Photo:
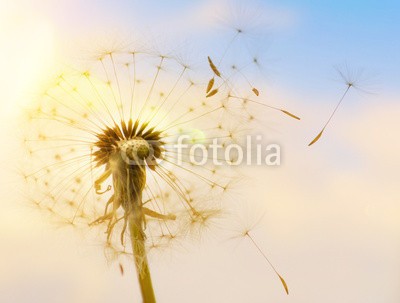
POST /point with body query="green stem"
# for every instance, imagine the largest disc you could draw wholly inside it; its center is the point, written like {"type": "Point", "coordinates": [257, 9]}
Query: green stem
{"type": "Point", "coordinates": [141, 263]}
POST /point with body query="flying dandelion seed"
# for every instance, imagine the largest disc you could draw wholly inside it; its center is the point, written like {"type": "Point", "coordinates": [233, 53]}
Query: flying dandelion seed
{"type": "Point", "coordinates": [352, 80]}
{"type": "Point", "coordinates": [246, 223]}
{"type": "Point", "coordinates": [102, 144]}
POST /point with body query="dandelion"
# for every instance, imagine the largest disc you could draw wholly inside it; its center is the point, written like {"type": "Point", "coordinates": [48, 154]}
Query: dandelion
{"type": "Point", "coordinates": [247, 234]}
{"type": "Point", "coordinates": [246, 224]}
{"type": "Point", "coordinates": [102, 147]}
{"type": "Point", "coordinates": [352, 80]}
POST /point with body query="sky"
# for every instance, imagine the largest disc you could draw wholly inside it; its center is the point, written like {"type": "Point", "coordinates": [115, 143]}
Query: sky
{"type": "Point", "coordinates": [331, 223]}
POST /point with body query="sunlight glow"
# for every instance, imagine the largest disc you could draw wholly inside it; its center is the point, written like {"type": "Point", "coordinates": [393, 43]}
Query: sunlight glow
{"type": "Point", "coordinates": [28, 55]}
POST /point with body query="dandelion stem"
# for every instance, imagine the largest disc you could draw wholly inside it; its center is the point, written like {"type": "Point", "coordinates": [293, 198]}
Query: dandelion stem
{"type": "Point", "coordinates": [139, 253]}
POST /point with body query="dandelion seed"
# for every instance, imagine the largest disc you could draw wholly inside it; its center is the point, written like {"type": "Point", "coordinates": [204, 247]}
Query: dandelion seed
{"type": "Point", "coordinates": [247, 223]}
{"type": "Point", "coordinates": [352, 79]}
{"type": "Point", "coordinates": [290, 114]}
{"type": "Point", "coordinates": [212, 93]}
{"type": "Point", "coordinates": [316, 138]}
{"type": "Point", "coordinates": [247, 234]}
{"type": "Point", "coordinates": [349, 85]}
{"type": "Point", "coordinates": [253, 89]}
{"type": "Point", "coordinates": [265, 105]}
{"type": "Point", "coordinates": [213, 67]}
{"type": "Point", "coordinates": [210, 85]}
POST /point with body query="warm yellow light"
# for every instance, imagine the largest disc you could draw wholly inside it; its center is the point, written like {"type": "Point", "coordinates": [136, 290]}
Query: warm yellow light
{"type": "Point", "coordinates": [27, 52]}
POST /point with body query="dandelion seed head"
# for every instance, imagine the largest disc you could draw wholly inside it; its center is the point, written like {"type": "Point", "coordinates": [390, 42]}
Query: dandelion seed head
{"type": "Point", "coordinates": [123, 114]}
{"type": "Point", "coordinates": [102, 145]}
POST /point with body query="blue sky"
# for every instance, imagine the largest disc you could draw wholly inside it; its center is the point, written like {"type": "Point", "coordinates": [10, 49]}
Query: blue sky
{"type": "Point", "coordinates": [322, 35]}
